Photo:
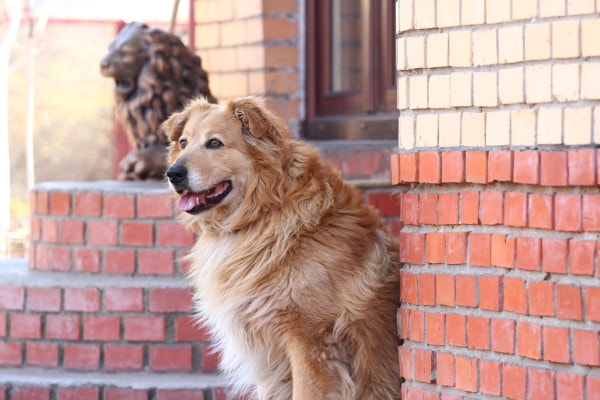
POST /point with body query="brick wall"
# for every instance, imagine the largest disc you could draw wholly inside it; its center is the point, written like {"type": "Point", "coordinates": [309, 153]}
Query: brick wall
{"type": "Point", "coordinates": [498, 170]}
{"type": "Point", "coordinates": [490, 74]}
{"type": "Point", "coordinates": [133, 313]}
{"type": "Point", "coordinates": [252, 47]}
{"type": "Point", "coordinates": [500, 285]}
{"type": "Point", "coordinates": [256, 47]}
{"type": "Point", "coordinates": [113, 228]}
{"type": "Point", "coordinates": [103, 311]}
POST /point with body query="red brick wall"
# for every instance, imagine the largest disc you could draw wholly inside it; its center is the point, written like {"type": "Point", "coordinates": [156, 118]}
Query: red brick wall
{"type": "Point", "coordinates": [118, 232]}
{"type": "Point", "coordinates": [115, 229]}
{"type": "Point", "coordinates": [112, 229]}
{"type": "Point", "coordinates": [89, 324]}
{"type": "Point", "coordinates": [500, 291]}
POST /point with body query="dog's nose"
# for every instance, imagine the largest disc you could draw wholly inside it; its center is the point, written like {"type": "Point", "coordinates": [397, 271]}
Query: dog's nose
{"type": "Point", "coordinates": [177, 173]}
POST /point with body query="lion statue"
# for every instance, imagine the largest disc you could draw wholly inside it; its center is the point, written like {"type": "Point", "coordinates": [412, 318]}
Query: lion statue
{"type": "Point", "coordinates": [155, 74]}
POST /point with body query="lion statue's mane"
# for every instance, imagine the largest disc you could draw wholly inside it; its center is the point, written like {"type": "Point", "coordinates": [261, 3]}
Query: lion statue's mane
{"type": "Point", "coordinates": [155, 74]}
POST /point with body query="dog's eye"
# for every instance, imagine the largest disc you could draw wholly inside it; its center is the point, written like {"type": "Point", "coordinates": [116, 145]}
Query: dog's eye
{"type": "Point", "coordinates": [182, 143]}
{"type": "Point", "coordinates": [213, 143]}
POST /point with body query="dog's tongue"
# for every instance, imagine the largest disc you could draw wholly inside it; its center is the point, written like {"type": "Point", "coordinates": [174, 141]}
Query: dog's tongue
{"type": "Point", "coordinates": [189, 201]}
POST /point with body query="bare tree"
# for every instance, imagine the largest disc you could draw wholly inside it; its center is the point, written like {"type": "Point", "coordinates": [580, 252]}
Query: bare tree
{"type": "Point", "coordinates": [14, 10]}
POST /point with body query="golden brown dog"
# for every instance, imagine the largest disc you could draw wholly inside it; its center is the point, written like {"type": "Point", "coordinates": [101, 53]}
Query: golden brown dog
{"type": "Point", "coordinates": [295, 276]}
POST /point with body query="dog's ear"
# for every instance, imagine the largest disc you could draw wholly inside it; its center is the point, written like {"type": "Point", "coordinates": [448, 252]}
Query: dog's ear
{"type": "Point", "coordinates": [252, 114]}
{"type": "Point", "coordinates": [173, 126]}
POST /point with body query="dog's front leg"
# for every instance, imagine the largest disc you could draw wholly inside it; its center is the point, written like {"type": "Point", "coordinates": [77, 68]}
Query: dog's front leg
{"type": "Point", "coordinates": [304, 384]}
{"type": "Point", "coordinates": [315, 375]}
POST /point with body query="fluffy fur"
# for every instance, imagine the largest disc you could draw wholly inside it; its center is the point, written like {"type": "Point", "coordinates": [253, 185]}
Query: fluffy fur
{"type": "Point", "coordinates": [294, 274]}
{"type": "Point", "coordinates": [154, 74]}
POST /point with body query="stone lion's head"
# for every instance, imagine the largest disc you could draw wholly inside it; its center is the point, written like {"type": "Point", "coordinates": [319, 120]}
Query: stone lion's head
{"type": "Point", "coordinates": [155, 74]}
{"type": "Point", "coordinates": [125, 58]}
{"type": "Point", "coordinates": [153, 68]}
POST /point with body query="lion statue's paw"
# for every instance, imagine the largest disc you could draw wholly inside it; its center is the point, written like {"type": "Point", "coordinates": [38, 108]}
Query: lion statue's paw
{"type": "Point", "coordinates": [148, 163]}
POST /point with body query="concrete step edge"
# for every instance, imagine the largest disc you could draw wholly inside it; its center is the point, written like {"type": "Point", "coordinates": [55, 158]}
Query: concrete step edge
{"type": "Point", "coordinates": [132, 380]}
{"type": "Point", "coordinates": [145, 187]}
{"type": "Point", "coordinates": [17, 273]}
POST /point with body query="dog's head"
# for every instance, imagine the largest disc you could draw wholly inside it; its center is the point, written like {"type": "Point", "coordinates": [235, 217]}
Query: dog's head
{"type": "Point", "coordinates": [225, 160]}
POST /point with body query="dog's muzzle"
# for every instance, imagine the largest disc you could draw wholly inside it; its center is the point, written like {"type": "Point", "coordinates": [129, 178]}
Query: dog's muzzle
{"type": "Point", "coordinates": [195, 202]}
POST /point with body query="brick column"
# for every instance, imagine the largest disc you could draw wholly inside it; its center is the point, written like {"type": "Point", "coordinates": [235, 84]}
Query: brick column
{"type": "Point", "coordinates": [498, 170]}
{"type": "Point", "coordinates": [252, 48]}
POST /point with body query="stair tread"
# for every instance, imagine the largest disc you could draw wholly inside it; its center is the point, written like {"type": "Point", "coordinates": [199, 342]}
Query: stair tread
{"type": "Point", "coordinates": [133, 380]}
{"type": "Point", "coordinates": [147, 187]}
{"type": "Point", "coordinates": [16, 272]}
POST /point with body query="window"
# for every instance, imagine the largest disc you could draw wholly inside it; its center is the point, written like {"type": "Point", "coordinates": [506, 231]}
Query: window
{"type": "Point", "coordinates": [350, 70]}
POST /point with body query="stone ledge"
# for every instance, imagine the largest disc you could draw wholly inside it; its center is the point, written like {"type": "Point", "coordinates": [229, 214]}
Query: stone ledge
{"type": "Point", "coordinates": [134, 380]}
{"type": "Point", "coordinates": [16, 273]}
{"type": "Point", "coordinates": [150, 187]}
{"type": "Point", "coordinates": [160, 187]}
{"type": "Point", "coordinates": [107, 227]}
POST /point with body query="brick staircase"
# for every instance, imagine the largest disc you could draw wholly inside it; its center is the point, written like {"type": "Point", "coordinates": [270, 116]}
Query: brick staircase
{"type": "Point", "coordinates": [102, 310]}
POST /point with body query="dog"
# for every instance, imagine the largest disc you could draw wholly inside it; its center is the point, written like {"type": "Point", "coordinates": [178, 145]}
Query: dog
{"type": "Point", "coordinates": [294, 275]}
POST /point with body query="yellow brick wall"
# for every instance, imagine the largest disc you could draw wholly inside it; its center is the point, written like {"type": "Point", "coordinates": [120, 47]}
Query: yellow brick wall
{"type": "Point", "coordinates": [251, 47]}
{"type": "Point", "coordinates": [475, 73]}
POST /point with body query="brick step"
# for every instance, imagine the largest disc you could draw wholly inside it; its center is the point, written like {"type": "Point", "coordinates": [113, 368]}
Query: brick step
{"type": "Point", "coordinates": [128, 228]}
{"type": "Point", "coordinates": [93, 322]}
{"type": "Point", "coordinates": [16, 272]}
{"type": "Point", "coordinates": [107, 227]}
{"type": "Point", "coordinates": [43, 384]}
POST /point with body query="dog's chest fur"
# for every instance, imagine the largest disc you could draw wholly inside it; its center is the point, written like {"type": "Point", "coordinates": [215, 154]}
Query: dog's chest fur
{"type": "Point", "coordinates": [240, 314]}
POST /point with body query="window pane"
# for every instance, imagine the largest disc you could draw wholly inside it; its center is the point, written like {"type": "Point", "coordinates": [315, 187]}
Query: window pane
{"type": "Point", "coordinates": [346, 56]}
